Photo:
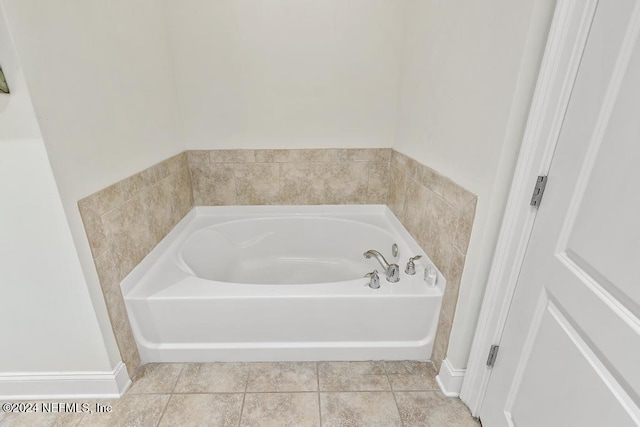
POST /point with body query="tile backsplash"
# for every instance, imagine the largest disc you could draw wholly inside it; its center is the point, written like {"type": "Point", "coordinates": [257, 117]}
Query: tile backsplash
{"type": "Point", "coordinates": [126, 220]}
{"type": "Point", "coordinates": [289, 177]}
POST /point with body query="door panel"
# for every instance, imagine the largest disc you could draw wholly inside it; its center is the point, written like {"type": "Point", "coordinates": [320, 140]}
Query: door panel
{"type": "Point", "coordinates": [581, 375]}
{"type": "Point", "coordinates": [570, 351]}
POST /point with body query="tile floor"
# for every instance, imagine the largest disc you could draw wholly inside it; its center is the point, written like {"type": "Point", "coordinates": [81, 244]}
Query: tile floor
{"type": "Point", "coordinates": [272, 394]}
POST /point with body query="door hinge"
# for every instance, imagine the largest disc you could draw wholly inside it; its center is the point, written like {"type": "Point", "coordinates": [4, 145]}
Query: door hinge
{"type": "Point", "coordinates": [538, 191]}
{"type": "Point", "coordinates": [493, 353]}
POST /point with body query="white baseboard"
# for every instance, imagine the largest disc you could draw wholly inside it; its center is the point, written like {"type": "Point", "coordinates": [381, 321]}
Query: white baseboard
{"type": "Point", "coordinates": [450, 379]}
{"type": "Point", "coordinates": [63, 385]}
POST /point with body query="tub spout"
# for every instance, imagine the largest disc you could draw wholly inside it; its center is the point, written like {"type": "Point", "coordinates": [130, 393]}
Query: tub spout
{"type": "Point", "coordinates": [392, 271]}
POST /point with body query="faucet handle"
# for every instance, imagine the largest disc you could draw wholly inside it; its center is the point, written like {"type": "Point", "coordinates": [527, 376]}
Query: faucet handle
{"type": "Point", "coordinates": [374, 282]}
{"type": "Point", "coordinates": [411, 266]}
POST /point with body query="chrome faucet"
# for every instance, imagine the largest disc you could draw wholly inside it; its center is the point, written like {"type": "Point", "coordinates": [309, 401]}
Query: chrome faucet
{"type": "Point", "coordinates": [392, 271]}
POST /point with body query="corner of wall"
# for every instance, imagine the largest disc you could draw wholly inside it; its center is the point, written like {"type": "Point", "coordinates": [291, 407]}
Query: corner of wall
{"type": "Point", "coordinates": [123, 223]}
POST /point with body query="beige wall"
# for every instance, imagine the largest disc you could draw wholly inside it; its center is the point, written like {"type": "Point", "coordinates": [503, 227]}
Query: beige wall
{"type": "Point", "coordinates": [467, 81]}
{"type": "Point", "coordinates": [286, 73]}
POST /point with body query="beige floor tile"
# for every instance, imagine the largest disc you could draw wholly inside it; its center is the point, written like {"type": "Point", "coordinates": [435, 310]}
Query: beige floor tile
{"type": "Point", "coordinates": [40, 419]}
{"type": "Point", "coordinates": [191, 410]}
{"type": "Point", "coordinates": [352, 376]}
{"type": "Point", "coordinates": [433, 409]}
{"type": "Point", "coordinates": [280, 410]}
{"type": "Point", "coordinates": [156, 378]}
{"type": "Point", "coordinates": [283, 376]}
{"type": "Point", "coordinates": [359, 409]}
{"type": "Point", "coordinates": [130, 410]}
{"type": "Point", "coordinates": [411, 375]}
{"type": "Point", "coordinates": [213, 378]}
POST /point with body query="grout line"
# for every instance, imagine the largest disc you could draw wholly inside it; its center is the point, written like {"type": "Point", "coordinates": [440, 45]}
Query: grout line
{"type": "Point", "coordinates": [235, 180]}
{"type": "Point", "coordinates": [173, 389]}
{"type": "Point", "coordinates": [164, 410]}
{"type": "Point", "coordinates": [319, 402]}
{"type": "Point", "coordinates": [244, 395]}
{"type": "Point", "coordinates": [395, 400]}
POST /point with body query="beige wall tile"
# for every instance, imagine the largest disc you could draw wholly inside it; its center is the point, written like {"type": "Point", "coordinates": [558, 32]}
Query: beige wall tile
{"type": "Point", "coordinates": [346, 183]}
{"type": "Point", "coordinates": [369, 154]}
{"type": "Point", "coordinates": [127, 345]}
{"type": "Point", "coordinates": [183, 193]}
{"type": "Point", "coordinates": [302, 183]}
{"type": "Point", "coordinates": [231, 156]}
{"type": "Point", "coordinates": [258, 183]}
{"type": "Point", "coordinates": [465, 226]}
{"type": "Point", "coordinates": [136, 183]}
{"type": "Point", "coordinates": [456, 195]}
{"type": "Point", "coordinates": [431, 179]}
{"type": "Point", "coordinates": [98, 243]}
{"type": "Point", "coordinates": [405, 164]}
{"type": "Point", "coordinates": [170, 165]}
{"type": "Point", "coordinates": [453, 276]}
{"type": "Point", "coordinates": [197, 156]}
{"type": "Point", "coordinates": [442, 232]}
{"type": "Point", "coordinates": [418, 203]}
{"type": "Point", "coordinates": [213, 185]}
{"type": "Point", "coordinates": [323, 155]}
{"type": "Point", "coordinates": [127, 231]}
{"type": "Point", "coordinates": [92, 222]}
{"type": "Point", "coordinates": [277, 156]}
{"type": "Point", "coordinates": [441, 342]}
{"type": "Point", "coordinates": [397, 192]}
{"type": "Point", "coordinates": [322, 183]}
{"type": "Point", "coordinates": [103, 200]}
{"type": "Point", "coordinates": [159, 205]}
{"type": "Point", "coordinates": [378, 183]}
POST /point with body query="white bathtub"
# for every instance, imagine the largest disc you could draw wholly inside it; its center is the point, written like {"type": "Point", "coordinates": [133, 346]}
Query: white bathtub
{"type": "Point", "coordinates": [281, 283]}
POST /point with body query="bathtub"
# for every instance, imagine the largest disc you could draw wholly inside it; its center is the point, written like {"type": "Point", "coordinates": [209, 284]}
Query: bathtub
{"type": "Point", "coordinates": [281, 283]}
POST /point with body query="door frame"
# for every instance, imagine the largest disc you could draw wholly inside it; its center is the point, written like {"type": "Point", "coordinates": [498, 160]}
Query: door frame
{"type": "Point", "coordinates": [563, 53]}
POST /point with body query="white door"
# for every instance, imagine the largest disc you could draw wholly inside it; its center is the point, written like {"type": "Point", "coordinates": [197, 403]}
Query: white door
{"type": "Point", "coordinates": [570, 351]}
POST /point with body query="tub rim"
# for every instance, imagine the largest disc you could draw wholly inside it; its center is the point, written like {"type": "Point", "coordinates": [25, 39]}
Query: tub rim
{"type": "Point", "coordinates": [178, 236]}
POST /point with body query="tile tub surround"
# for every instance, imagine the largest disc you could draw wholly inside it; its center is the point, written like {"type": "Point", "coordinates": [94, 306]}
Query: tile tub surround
{"type": "Point", "coordinates": [290, 177]}
{"type": "Point", "coordinates": [439, 215]}
{"type": "Point", "coordinates": [274, 394]}
{"type": "Point", "coordinates": [124, 222]}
